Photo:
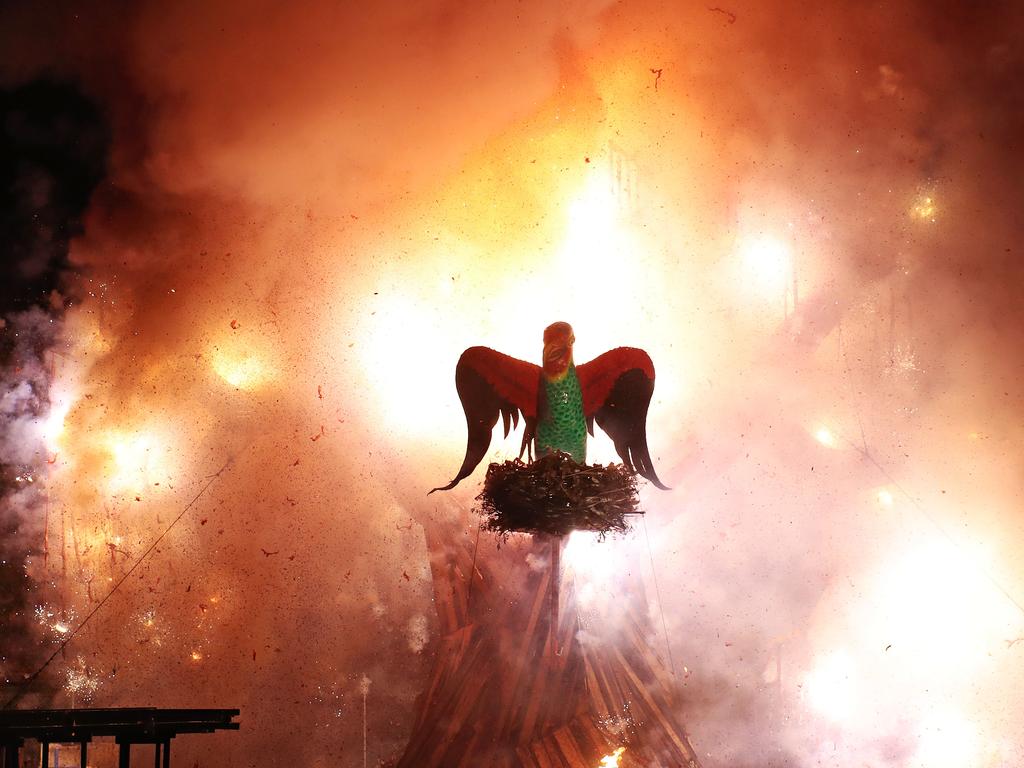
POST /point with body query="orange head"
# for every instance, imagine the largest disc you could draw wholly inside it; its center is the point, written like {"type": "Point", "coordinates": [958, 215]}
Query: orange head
{"type": "Point", "coordinates": [558, 341]}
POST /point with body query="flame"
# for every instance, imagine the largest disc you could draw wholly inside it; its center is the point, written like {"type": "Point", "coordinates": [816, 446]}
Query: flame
{"type": "Point", "coordinates": [612, 760]}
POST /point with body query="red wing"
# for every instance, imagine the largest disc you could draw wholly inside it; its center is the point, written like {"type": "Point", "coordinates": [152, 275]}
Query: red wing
{"type": "Point", "coordinates": [490, 385]}
{"type": "Point", "coordinates": [617, 388]}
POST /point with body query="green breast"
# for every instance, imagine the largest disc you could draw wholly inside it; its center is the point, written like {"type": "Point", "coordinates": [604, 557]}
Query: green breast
{"type": "Point", "coordinates": [562, 426]}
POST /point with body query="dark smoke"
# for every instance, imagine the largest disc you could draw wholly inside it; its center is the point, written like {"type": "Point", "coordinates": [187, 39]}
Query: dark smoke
{"type": "Point", "coordinates": [53, 150]}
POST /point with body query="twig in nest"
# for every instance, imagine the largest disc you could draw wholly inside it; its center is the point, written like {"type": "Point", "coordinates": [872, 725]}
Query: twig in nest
{"type": "Point", "coordinates": [555, 495]}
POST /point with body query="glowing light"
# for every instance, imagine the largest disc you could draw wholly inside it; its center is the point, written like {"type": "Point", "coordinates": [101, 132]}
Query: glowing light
{"type": "Point", "coordinates": [196, 656]}
{"type": "Point", "coordinates": [588, 556]}
{"type": "Point", "coordinates": [242, 370]}
{"type": "Point", "coordinates": [825, 436]}
{"type": "Point", "coordinates": [612, 760]}
{"type": "Point", "coordinates": [79, 682]}
{"type": "Point", "coordinates": [885, 497]}
{"type": "Point", "coordinates": [830, 687]}
{"type": "Point", "coordinates": [947, 740]}
{"type": "Point", "coordinates": [53, 426]}
{"type": "Point", "coordinates": [924, 208]}
{"type": "Point", "coordinates": [138, 461]}
{"type": "Point", "coordinates": [61, 628]}
{"type": "Point", "coordinates": [936, 602]}
{"type": "Point", "coordinates": [767, 264]}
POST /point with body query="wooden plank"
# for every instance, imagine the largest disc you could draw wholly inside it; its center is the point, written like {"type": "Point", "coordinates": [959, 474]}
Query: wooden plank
{"type": "Point", "coordinates": [520, 658]}
{"type": "Point", "coordinates": [667, 726]}
{"type": "Point", "coordinates": [569, 749]}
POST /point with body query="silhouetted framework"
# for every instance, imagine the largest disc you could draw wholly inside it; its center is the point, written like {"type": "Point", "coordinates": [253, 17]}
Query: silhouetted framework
{"type": "Point", "coordinates": [525, 679]}
{"type": "Point", "coordinates": [128, 726]}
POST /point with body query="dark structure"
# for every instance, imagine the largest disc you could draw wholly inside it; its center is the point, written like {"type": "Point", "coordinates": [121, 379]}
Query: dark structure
{"type": "Point", "coordinates": [127, 726]}
{"type": "Point", "coordinates": [524, 678]}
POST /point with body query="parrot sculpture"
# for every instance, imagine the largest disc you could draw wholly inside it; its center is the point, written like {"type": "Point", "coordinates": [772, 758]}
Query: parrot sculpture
{"type": "Point", "coordinates": [558, 400]}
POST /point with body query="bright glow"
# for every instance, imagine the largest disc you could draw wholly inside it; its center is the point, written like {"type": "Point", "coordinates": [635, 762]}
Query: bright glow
{"type": "Point", "coordinates": [53, 426]}
{"type": "Point", "coordinates": [947, 740]}
{"type": "Point", "coordinates": [825, 436]}
{"type": "Point", "coordinates": [936, 603]}
{"type": "Point", "coordinates": [196, 656]}
{"type": "Point", "coordinates": [405, 337]}
{"type": "Point", "coordinates": [885, 498]}
{"type": "Point", "coordinates": [767, 264]}
{"type": "Point", "coordinates": [591, 558]}
{"type": "Point", "coordinates": [241, 369]}
{"type": "Point", "coordinates": [924, 208]}
{"type": "Point", "coordinates": [138, 461]}
{"type": "Point", "coordinates": [831, 686]}
{"type": "Point", "coordinates": [612, 760]}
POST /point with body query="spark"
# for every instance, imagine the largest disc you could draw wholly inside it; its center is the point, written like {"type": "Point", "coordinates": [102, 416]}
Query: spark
{"type": "Point", "coordinates": [885, 497]}
{"type": "Point", "coordinates": [196, 656]}
{"type": "Point", "coordinates": [924, 208]}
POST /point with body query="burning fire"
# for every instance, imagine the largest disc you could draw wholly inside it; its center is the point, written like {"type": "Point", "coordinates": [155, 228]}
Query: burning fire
{"type": "Point", "coordinates": [612, 760]}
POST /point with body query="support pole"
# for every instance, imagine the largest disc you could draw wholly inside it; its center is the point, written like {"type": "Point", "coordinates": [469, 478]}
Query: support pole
{"type": "Point", "coordinates": [554, 591]}
{"type": "Point", "coordinates": [124, 755]}
{"type": "Point", "coordinates": [45, 747]}
{"type": "Point", "coordinates": [83, 758]}
{"type": "Point", "coordinates": [167, 753]}
{"type": "Point", "coordinates": [156, 754]}
{"type": "Point", "coordinates": [11, 754]}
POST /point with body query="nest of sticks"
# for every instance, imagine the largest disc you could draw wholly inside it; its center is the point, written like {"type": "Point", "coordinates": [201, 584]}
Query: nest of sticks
{"type": "Point", "coordinates": [555, 495]}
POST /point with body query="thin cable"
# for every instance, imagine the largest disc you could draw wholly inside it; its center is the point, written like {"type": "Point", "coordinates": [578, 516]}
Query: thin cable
{"type": "Point", "coordinates": [661, 607]}
{"type": "Point", "coordinates": [26, 684]}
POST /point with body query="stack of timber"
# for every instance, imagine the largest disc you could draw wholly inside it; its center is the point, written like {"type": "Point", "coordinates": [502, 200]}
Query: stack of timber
{"type": "Point", "coordinates": [525, 679]}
